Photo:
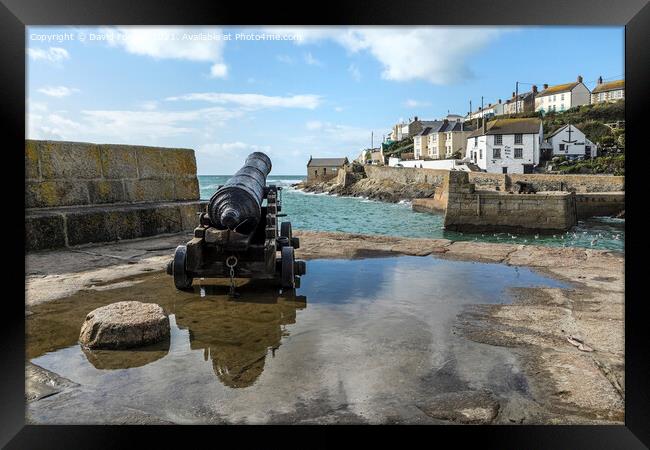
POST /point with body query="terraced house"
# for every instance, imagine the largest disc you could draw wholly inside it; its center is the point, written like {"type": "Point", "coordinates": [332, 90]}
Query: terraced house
{"type": "Point", "coordinates": [441, 139]}
{"type": "Point", "coordinates": [611, 91]}
{"type": "Point", "coordinates": [506, 145]}
{"type": "Point", "coordinates": [522, 102]}
{"type": "Point", "coordinates": [562, 96]}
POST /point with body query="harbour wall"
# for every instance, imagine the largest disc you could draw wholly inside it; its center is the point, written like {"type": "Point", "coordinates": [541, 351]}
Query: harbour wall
{"type": "Point", "coordinates": [592, 204]}
{"type": "Point", "coordinates": [468, 209]}
{"type": "Point", "coordinates": [78, 193]}
{"type": "Point", "coordinates": [502, 182]}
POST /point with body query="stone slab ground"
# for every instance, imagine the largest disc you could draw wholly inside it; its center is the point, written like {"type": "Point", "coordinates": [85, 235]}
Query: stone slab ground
{"type": "Point", "coordinates": [571, 383]}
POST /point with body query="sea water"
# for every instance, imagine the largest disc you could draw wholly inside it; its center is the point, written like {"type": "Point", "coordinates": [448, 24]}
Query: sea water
{"type": "Point", "coordinates": [322, 212]}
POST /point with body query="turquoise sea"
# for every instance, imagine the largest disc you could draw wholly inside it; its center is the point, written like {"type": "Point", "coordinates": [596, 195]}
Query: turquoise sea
{"type": "Point", "coordinates": [358, 215]}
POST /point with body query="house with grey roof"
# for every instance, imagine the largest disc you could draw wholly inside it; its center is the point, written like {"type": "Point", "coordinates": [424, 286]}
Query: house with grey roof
{"type": "Point", "coordinates": [506, 145]}
{"type": "Point", "coordinates": [520, 102]}
{"type": "Point", "coordinates": [324, 168]}
{"type": "Point", "coordinates": [571, 142]}
{"type": "Point", "coordinates": [610, 91]}
{"type": "Point", "coordinates": [562, 96]}
{"type": "Point", "coordinates": [441, 139]}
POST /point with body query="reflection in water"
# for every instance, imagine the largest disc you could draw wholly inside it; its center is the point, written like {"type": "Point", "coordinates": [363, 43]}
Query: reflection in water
{"type": "Point", "coordinates": [237, 334]}
{"type": "Point", "coordinates": [126, 359]}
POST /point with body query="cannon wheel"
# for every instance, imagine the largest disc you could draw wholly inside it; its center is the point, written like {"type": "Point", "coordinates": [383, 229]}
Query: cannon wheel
{"type": "Point", "coordinates": [288, 259]}
{"type": "Point", "coordinates": [181, 280]}
{"type": "Point", "coordinates": [285, 230]}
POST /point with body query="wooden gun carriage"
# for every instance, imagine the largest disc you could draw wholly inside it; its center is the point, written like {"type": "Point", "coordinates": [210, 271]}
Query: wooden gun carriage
{"type": "Point", "coordinates": [239, 237]}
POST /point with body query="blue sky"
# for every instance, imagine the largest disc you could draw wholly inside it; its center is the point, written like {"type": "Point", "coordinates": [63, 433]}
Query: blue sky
{"type": "Point", "coordinates": [322, 91]}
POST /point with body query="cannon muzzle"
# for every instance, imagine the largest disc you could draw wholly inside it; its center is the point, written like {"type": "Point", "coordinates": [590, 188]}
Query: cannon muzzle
{"type": "Point", "coordinates": [237, 205]}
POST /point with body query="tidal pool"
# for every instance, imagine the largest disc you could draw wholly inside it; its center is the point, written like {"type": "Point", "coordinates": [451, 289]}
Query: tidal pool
{"type": "Point", "coordinates": [361, 341]}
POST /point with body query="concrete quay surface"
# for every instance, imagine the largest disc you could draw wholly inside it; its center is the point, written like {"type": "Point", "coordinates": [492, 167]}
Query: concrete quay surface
{"type": "Point", "coordinates": [569, 341]}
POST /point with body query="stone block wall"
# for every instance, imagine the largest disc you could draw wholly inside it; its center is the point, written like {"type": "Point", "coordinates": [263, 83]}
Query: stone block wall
{"type": "Point", "coordinates": [592, 204]}
{"type": "Point", "coordinates": [470, 210]}
{"type": "Point", "coordinates": [549, 182]}
{"type": "Point", "coordinates": [75, 173]}
{"type": "Point", "coordinates": [78, 193]}
{"type": "Point", "coordinates": [406, 175]}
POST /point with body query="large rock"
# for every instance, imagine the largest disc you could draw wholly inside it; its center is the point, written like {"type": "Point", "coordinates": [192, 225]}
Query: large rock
{"type": "Point", "coordinates": [123, 325]}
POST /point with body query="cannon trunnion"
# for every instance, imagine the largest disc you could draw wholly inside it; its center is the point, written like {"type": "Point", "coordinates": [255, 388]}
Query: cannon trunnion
{"type": "Point", "coordinates": [239, 237]}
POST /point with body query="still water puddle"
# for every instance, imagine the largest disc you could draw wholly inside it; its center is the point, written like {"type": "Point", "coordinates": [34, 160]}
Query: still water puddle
{"type": "Point", "coordinates": [360, 341]}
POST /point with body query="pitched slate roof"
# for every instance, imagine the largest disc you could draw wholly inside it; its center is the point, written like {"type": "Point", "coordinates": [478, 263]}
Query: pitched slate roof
{"type": "Point", "coordinates": [558, 88]}
{"type": "Point", "coordinates": [521, 96]}
{"type": "Point", "coordinates": [455, 126]}
{"type": "Point", "coordinates": [327, 162]}
{"type": "Point", "coordinates": [609, 86]}
{"type": "Point", "coordinates": [509, 126]}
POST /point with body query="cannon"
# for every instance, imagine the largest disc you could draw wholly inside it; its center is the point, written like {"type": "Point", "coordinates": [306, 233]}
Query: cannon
{"type": "Point", "coordinates": [239, 234]}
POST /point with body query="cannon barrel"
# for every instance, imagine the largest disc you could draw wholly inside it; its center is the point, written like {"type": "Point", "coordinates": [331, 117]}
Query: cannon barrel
{"type": "Point", "coordinates": [237, 204]}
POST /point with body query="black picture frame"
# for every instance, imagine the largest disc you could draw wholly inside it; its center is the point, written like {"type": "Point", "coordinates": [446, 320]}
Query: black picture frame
{"type": "Point", "coordinates": [15, 15]}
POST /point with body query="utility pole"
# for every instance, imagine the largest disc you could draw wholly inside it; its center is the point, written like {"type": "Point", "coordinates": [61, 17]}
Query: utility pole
{"type": "Point", "coordinates": [516, 97]}
{"type": "Point", "coordinates": [372, 140]}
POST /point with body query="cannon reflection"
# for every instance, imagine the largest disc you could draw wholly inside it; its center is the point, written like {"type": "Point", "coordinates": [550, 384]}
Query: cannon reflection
{"type": "Point", "coordinates": [237, 334]}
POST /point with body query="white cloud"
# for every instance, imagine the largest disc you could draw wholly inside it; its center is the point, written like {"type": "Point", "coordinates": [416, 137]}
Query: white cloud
{"type": "Point", "coordinates": [252, 101]}
{"type": "Point", "coordinates": [438, 55]}
{"type": "Point", "coordinates": [219, 70]}
{"type": "Point", "coordinates": [314, 125]}
{"type": "Point", "coordinates": [410, 103]}
{"type": "Point", "coordinates": [355, 72]}
{"type": "Point", "coordinates": [284, 59]}
{"type": "Point", "coordinates": [309, 59]}
{"type": "Point", "coordinates": [148, 105]}
{"type": "Point", "coordinates": [52, 54]}
{"type": "Point", "coordinates": [137, 127]}
{"type": "Point", "coordinates": [57, 91]}
{"type": "Point", "coordinates": [338, 109]}
{"type": "Point", "coordinates": [228, 148]}
{"type": "Point", "coordinates": [187, 43]}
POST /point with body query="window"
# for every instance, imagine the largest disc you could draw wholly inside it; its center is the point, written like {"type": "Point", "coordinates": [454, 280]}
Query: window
{"type": "Point", "coordinates": [480, 154]}
{"type": "Point", "coordinates": [519, 138]}
{"type": "Point", "coordinates": [519, 152]}
{"type": "Point", "coordinates": [475, 141]}
{"type": "Point", "coordinates": [562, 97]}
{"type": "Point", "coordinates": [561, 147]}
{"type": "Point", "coordinates": [496, 153]}
{"type": "Point", "coordinates": [498, 139]}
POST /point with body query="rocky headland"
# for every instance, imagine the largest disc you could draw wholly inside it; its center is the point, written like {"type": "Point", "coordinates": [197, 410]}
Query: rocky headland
{"type": "Point", "coordinates": [376, 189]}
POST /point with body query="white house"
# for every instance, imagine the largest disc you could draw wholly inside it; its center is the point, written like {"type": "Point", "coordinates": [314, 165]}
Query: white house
{"type": "Point", "coordinates": [569, 141]}
{"type": "Point", "coordinates": [610, 91]}
{"type": "Point", "coordinates": [562, 96]}
{"type": "Point", "coordinates": [506, 145]}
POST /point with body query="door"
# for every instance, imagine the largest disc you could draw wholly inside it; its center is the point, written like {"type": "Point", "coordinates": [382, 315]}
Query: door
{"type": "Point", "coordinates": [504, 169]}
{"type": "Point", "coordinates": [587, 151]}
{"type": "Point", "coordinates": [528, 168]}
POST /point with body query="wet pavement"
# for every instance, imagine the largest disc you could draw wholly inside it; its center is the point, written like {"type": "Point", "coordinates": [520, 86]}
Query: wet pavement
{"type": "Point", "coordinates": [361, 341]}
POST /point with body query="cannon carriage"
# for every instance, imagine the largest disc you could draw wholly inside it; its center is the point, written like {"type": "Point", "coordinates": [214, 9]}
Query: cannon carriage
{"type": "Point", "coordinates": [239, 236]}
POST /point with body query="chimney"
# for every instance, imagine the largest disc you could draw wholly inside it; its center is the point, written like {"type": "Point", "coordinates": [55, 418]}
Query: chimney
{"type": "Point", "coordinates": [534, 89]}
{"type": "Point", "coordinates": [600, 80]}
{"type": "Point", "coordinates": [545, 86]}
{"type": "Point", "coordinates": [499, 100]}
{"type": "Point", "coordinates": [513, 95]}
{"type": "Point", "coordinates": [415, 119]}
{"type": "Point", "coordinates": [579, 78]}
